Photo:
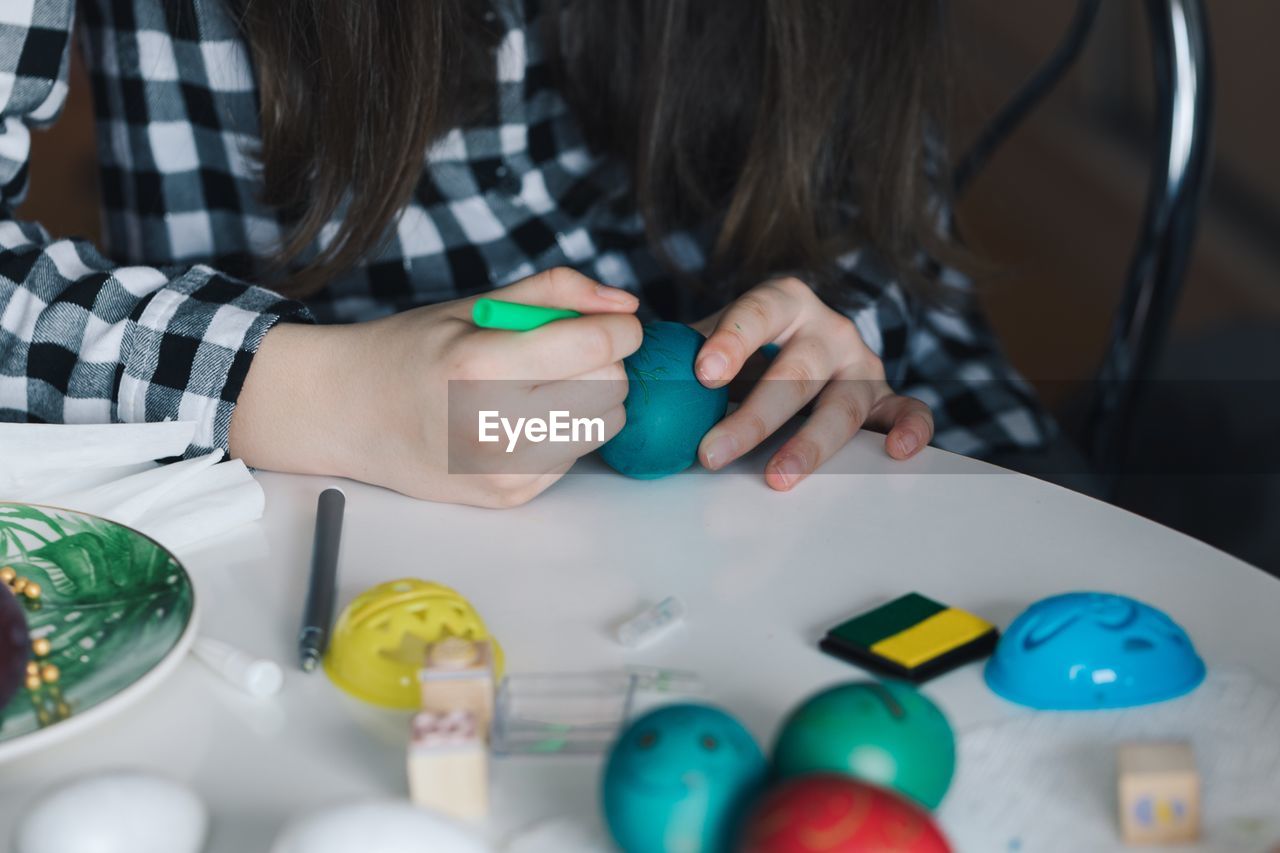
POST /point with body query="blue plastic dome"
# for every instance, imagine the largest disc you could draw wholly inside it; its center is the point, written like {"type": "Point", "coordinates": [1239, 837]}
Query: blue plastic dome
{"type": "Point", "coordinates": [1088, 650]}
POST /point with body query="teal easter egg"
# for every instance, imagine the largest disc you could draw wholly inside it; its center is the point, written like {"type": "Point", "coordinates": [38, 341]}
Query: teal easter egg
{"type": "Point", "coordinates": [668, 409]}
{"type": "Point", "coordinates": [887, 733]}
{"type": "Point", "coordinates": [678, 778]}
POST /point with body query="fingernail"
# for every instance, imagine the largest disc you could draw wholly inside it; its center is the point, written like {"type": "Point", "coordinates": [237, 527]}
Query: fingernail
{"type": "Point", "coordinates": [712, 367]}
{"type": "Point", "coordinates": [907, 443]}
{"type": "Point", "coordinates": [789, 470]}
{"type": "Point", "coordinates": [614, 294]}
{"type": "Point", "coordinates": [722, 450]}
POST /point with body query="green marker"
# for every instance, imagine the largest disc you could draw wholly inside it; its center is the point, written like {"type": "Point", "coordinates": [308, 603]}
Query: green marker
{"type": "Point", "coordinates": [515, 317]}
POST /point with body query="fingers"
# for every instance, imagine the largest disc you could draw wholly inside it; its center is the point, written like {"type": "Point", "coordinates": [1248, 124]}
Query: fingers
{"type": "Point", "coordinates": [707, 325]}
{"type": "Point", "coordinates": [842, 409]}
{"type": "Point", "coordinates": [839, 413]}
{"type": "Point", "coordinates": [557, 350]}
{"type": "Point", "coordinates": [793, 379]}
{"type": "Point", "coordinates": [908, 423]}
{"type": "Point", "coordinates": [523, 447]}
{"type": "Point", "coordinates": [589, 394]}
{"type": "Point", "coordinates": [578, 436]}
{"type": "Point", "coordinates": [562, 287]}
{"type": "Point", "coordinates": [758, 318]}
{"type": "Point", "coordinates": [607, 333]}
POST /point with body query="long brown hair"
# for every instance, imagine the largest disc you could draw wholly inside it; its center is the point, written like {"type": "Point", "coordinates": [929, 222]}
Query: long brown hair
{"type": "Point", "coordinates": [796, 127]}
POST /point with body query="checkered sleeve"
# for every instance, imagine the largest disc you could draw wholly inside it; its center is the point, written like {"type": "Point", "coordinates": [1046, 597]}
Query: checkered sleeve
{"type": "Point", "coordinates": [955, 364]}
{"type": "Point", "coordinates": [947, 355]}
{"type": "Point", "coordinates": [83, 340]}
{"type": "Point", "coordinates": [949, 358]}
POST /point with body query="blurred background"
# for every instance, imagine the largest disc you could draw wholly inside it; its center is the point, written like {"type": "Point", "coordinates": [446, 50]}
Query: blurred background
{"type": "Point", "coordinates": [1055, 216]}
{"type": "Point", "coordinates": [1057, 211]}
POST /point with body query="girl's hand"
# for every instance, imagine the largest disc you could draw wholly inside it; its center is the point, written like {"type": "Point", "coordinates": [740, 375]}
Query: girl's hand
{"type": "Point", "coordinates": [372, 401]}
{"type": "Point", "coordinates": [822, 355]}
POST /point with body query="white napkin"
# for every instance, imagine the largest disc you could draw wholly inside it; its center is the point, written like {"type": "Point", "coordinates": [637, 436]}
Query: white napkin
{"type": "Point", "coordinates": [108, 470]}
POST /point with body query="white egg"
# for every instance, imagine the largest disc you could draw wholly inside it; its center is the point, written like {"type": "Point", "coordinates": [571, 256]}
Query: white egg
{"type": "Point", "coordinates": [377, 827]}
{"type": "Point", "coordinates": [118, 812]}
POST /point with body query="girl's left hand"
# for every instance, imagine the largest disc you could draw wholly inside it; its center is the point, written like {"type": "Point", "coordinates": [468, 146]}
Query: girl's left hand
{"type": "Point", "coordinates": [821, 355]}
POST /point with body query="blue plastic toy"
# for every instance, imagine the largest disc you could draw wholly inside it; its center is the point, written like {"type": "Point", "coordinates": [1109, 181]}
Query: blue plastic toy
{"type": "Point", "coordinates": [677, 779]}
{"type": "Point", "coordinates": [668, 409]}
{"type": "Point", "coordinates": [1088, 650]}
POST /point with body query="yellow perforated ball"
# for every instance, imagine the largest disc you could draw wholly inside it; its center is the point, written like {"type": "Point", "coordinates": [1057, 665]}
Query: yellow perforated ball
{"type": "Point", "coordinates": [380, 640]}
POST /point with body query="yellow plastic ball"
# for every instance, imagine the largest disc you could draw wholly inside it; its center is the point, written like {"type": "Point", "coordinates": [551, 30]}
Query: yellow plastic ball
{"type": "Point", "coordinates": [380, 640]}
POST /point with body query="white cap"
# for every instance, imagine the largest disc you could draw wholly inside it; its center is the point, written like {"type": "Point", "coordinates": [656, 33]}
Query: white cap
{"type": "Point", "coordinates": [255, 676]}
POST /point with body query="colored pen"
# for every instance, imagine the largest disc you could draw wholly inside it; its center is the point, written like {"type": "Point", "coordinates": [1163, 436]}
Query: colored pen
{"type": "Point", "coordinates": [317, 615]}
{"type": "Point", "coordinates": [515, 317]}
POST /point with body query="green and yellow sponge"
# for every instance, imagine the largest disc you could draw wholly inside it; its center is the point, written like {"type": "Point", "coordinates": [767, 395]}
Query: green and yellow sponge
{"type": "Point", "coordinates": [911, 637]}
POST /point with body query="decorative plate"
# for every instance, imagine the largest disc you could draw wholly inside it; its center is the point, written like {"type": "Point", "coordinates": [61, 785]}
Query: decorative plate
{"type": "Point", "coordinates": [118, 611]}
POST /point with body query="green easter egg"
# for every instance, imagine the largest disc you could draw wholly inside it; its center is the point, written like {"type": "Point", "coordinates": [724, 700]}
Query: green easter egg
{"type": "Point", "coordinates": [886, 733]}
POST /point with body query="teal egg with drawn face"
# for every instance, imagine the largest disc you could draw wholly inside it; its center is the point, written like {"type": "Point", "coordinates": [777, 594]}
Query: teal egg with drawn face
{"type": "Point", "coordinates": [668, 409]}
{"type": "Point", "coordinates": [678, 778]}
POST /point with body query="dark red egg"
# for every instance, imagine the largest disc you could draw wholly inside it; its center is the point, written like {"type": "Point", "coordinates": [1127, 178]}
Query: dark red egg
{"type": "Point", "coordinates": [15, 645]}
{"type": "Point", "coordinates": [837, 814]}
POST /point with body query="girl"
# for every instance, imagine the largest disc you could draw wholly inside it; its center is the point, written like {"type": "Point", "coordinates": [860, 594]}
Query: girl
{"type": "Point", "coordinates": [302, 197]}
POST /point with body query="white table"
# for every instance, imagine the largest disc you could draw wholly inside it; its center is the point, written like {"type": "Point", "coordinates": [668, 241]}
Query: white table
{"type": "Point", "coordinates": [762, 575]}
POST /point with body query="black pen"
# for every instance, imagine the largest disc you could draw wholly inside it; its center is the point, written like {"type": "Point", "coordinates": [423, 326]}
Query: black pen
{"type": "Point", "coordinates": [317, 616]}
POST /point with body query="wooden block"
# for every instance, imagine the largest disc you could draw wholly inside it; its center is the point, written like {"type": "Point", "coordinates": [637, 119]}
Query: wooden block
{"type": "Point", "coordinates": [1159, 793]}
{"type": "Point", "coordinates": [449, 764]}
{"type": "Point", "coordinates": [458, 676]}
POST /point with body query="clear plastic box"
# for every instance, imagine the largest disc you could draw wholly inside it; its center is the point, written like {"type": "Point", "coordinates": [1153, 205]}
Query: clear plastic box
{"type": "Point", "coordinates": [574, 713]}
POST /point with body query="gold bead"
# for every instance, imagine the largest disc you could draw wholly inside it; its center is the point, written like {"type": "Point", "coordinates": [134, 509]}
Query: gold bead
{"type": "Point", "coordinates": [33, 668]}
{"type": "Point", "coordinates": [49, 673]}
{"type": "Point", "coordinates": [32, 590]}
{"type": "Point", "coordinates": [41, 647]}
{"type": "Point", "coordinates": [7, 574]}
{"type": "Point", "coordinates": [33, 682]}
{"type": "Point", "coordinates": [18, 585]}
{"type": "Point", "coordinates": [64, 710]}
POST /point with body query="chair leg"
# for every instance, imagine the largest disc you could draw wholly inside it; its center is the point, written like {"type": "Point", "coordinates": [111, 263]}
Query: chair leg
{"type": "Point", "coordinates": [1183, 71]}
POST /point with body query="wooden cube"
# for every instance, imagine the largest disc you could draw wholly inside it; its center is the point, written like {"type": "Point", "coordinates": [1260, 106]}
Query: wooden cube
{"type": "Point", "coordinates": [1159, 793]}
{"type": "Point", "coordinates": [449, 764]}
{"type": "Point", "coordinates": [458, 676]}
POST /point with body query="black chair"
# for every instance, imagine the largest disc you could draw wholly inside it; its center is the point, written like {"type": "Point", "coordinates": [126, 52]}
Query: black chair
{"type": "Point", "coordinates": [1180, 164]}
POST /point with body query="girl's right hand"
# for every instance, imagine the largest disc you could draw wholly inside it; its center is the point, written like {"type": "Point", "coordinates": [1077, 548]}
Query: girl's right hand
{"type": "Point", "coordinates": [371, 401]}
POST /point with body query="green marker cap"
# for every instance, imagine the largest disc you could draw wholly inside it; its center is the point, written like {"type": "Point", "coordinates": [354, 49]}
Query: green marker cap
{"type": "Point", "coordinates": [515, 317]}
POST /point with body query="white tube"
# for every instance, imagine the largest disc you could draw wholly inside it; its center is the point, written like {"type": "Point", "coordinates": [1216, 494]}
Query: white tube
{"type": "Point", "coordinates": [651, 624]}
{"type": "Point", "coordinates": [255, 676]}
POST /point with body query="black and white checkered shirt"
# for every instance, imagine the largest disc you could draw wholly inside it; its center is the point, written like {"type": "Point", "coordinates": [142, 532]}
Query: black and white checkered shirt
{"type": "Point", "coordinates": [163, 323]}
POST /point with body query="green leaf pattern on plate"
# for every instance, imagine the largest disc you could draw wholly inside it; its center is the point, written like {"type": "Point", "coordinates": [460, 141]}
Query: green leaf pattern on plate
{"type": "Point", "coordinates": [113, 604]}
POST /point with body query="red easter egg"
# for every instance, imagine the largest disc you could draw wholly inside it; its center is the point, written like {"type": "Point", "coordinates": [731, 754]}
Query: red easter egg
{"type": "Point", "coordinates": [837, 814]}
